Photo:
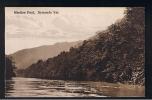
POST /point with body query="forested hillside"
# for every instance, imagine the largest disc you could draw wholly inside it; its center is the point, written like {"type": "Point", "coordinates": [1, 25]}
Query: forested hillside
{"type": "Point", "coordinates": [115, 55]}
{"type": "Point", "coordinates": [9, 67]}
{"type": "Point", "coordinates": [24, 58]}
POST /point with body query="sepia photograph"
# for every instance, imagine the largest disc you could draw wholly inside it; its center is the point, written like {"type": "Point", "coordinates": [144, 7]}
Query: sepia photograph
{"type": "Point", "coordinates": [74, 52]}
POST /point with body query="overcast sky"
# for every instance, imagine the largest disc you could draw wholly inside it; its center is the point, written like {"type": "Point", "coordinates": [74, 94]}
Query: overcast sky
{"type": "Point", "coordinates": [70, 24]}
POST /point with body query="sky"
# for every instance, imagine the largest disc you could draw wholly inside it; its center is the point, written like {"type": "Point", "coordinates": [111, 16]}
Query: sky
{"type": "Point", "coordinates": [68, 24]}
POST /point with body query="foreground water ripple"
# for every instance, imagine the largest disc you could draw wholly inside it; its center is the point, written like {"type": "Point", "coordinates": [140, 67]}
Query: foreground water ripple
{"type": "Point", "coordinates": [32, 87]}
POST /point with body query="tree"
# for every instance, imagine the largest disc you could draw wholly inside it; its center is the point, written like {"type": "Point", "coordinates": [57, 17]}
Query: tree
{"type": "Point", "coordinates": [9, 67]}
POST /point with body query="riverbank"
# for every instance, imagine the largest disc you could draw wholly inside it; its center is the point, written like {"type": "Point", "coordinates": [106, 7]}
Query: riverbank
{"type": "Point", "coordinates": [120, 90]}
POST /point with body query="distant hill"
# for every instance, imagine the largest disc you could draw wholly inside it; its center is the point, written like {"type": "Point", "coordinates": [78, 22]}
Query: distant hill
{"type": "Point", "coordinates": [24, 58]}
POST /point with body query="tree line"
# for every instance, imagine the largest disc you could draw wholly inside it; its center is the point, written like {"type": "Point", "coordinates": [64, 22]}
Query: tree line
{"type": "Point", "coordinates": [9, 67]}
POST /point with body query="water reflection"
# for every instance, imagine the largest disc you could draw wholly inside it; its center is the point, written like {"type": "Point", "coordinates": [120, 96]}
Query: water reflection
{"type": "Point", "coordinates": [32, 87]}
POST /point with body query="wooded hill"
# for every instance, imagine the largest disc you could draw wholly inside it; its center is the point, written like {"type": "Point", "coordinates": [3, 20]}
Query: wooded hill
{"type": "Point", "coordinates": [115, 55]}
{"type": "Point", "coordinates": [24, 58]}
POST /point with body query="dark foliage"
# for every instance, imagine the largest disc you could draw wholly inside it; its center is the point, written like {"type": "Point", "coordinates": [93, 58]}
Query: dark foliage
{"type": "Point", "coordinates": [115, 55]}
{"type": "Point", "coordinates": [9, 67]}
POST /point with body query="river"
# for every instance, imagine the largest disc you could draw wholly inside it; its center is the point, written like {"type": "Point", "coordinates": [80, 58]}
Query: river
{"type": "Point", "coordinates": [33, 87]}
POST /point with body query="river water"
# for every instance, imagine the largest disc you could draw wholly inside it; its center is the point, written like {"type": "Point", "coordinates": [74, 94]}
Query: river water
{"type": "Point", "coordinates": [33, 87]}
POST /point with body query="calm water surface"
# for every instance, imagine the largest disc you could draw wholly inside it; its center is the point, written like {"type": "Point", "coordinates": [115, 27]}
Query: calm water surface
{"type": "Point", "coordinates": [33, 87]}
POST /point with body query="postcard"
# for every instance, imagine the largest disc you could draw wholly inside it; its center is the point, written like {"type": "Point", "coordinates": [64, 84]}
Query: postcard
{"type": "Point", "coordinates": [75, 51]}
